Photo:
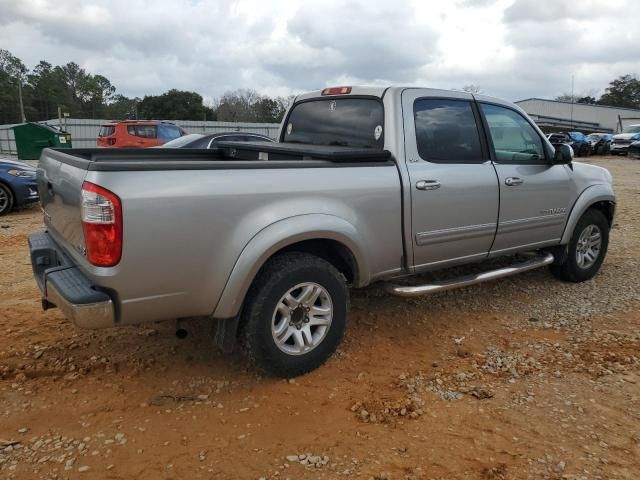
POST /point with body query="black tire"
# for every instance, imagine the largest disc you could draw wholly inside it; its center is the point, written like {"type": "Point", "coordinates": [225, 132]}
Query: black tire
{"type": "Point", "coordinates": [6, 199]}
{"type": "Point", "coordinates": [277, 277]}
{"type": "Point", "coordinates": [566, 266]}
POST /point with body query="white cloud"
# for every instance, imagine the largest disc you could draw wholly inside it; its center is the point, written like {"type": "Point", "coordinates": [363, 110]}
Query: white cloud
{"type": "Point", "coordinates": [511, 48]}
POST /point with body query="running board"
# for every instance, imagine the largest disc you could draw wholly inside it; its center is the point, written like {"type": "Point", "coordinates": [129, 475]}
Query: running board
{"type": "Point", "coordinates": [465, 281]}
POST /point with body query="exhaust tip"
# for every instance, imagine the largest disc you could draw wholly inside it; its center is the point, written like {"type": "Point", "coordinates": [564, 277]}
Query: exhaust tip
{"type": "Point", "coordinates": [181, 333]}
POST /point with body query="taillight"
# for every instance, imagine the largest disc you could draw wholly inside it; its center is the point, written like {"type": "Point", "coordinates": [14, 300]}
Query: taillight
{"type": "Point", "coordinates": [102, 225]}
{"type": "Point", "coordinates": [336, 91]}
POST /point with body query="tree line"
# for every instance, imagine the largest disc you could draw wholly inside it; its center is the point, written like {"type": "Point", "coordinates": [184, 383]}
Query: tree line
{"type": "Point", "coordinates": [37, 95]}
{"type": "Point", "coordinates": [624, 91]}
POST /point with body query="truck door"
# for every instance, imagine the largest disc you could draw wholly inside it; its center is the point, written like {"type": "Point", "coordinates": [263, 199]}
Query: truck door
{"type": "Point", "coordinates": [454, 188]}
{"type": "Point", "coordinates": [534, 194]}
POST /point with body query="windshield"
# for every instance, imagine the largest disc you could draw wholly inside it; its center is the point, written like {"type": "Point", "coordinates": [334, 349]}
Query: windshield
{"type": "Point", "coordinates": [632, 129]}
{"type": "Point", "coordinates": [182, 141]}
{"type": "Point", "coordinates": [351, 122]}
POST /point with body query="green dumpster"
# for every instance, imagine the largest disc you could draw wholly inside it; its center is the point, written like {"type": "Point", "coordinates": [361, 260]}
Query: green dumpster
{"type": "Point", "coordinates": [32, 137]}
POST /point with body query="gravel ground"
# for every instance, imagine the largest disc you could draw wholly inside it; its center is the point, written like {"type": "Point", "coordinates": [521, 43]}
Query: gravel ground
{"type": "Point", "coordinates": [523, 378]}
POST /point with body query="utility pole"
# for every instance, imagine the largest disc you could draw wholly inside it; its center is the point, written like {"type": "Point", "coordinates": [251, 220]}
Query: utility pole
{"type": "Point", "coordinates": [572, 100]}
{"type": "Point", "coordinates": [22, 116]}
{"type": "Point", "coordinates": [60, 117]}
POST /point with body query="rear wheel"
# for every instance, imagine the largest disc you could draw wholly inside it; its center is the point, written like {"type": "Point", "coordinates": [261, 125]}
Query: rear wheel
{"type": "Point", "coordinates": [586, 249]}
{"type": "Point", "coordinates": [6, 199]}
{"type": "Point", "coordinates": [295, 314]}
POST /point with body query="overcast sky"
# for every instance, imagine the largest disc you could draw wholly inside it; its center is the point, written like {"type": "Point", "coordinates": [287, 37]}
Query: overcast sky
{"type": "Point", "coordinates": [511, 48]}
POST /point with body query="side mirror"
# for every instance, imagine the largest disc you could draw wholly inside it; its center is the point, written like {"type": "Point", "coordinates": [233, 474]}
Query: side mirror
{"type": "Point", "coordinates": [563, 154]}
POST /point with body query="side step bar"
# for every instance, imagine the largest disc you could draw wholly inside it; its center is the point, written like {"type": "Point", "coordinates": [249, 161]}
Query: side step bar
{"type": "Point", "coordinates": [465, 281]}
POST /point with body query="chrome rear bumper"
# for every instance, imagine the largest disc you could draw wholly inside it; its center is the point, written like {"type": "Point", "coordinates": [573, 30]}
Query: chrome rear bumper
{"type": "Point", "coordinates": [63, 285]}
{"type": "Point", "coordinates": [88, 315]}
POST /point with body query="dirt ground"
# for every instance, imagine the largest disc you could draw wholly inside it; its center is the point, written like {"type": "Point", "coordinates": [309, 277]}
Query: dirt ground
{"type": "Point", "coordinates": [521, 378]}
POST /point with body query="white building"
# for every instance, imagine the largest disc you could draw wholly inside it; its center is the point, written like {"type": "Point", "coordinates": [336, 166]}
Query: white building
{"type": "Point", "coordinates": [555, 115]}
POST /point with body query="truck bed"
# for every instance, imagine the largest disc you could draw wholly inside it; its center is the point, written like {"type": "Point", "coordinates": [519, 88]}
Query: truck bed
{"type": "Point", "coordinates": [189, 215]}
{"type": "Point", "coordinates": [226, 155]}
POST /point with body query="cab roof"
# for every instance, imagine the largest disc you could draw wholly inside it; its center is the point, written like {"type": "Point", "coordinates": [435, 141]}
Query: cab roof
{"type": "Point", "coordinates": [380, 91]}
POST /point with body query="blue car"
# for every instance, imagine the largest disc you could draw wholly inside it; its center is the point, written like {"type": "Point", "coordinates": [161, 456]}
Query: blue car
{"type": "Point", "coordinates": [581, 144]}
{"type": "Point", "coordinates": [17, 185]}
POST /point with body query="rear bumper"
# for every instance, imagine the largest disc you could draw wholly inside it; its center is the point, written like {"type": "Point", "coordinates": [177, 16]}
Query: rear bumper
{"type": "Point", "coordinates": [64, 285]}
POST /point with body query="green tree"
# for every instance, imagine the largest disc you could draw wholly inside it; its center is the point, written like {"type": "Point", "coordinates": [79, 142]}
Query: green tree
{"type": "Point", "coordinates": [174, 105]}
{"type": "Point", "coordinates": [95, 92]}
{"type": "Point", "coordinates": [12, 75]}
{"type": "Point", "coordinates": [587, 99]}
{"type": "Point", "coordinates": [268, 110]}
{"type": "Point", "coordinates": [48, 91]}
{"type": "Point", "coordinates": [565, 97]}
{"type": "Point", "coordinates": [122, 108]}
{"type": "Point", "coordinates": [246, 105]}
{"type": "Point", "coordinates": [624, 91]}
{"type": "Point", "coordinates": [237, 106]}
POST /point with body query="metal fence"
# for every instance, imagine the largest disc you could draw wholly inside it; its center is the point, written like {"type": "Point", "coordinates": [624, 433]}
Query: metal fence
{"type": "Point", "coordinates": [84, 132]}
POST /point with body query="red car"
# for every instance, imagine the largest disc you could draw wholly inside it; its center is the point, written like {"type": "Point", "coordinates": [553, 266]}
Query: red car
{"type": "Point", "coordinates": [137, 134]}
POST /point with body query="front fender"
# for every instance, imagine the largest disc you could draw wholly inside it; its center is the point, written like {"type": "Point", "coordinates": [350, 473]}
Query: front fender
{"type": "Point", "coordinates": [282, 234]}
{"type": "Point", "coordinates": [590, 196]}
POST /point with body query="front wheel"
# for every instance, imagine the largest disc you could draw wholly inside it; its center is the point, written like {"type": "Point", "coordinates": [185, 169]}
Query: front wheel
{"type": "Point", "coordinates": [586, 249]}
{"type": "Point", "coordinates": [6, 199]}
{"type": "Point", "coordinates": [295, 314]}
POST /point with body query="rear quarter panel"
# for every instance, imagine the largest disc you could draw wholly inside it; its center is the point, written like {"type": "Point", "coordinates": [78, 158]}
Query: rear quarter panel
{"type": "Point", "coordinates": [185, 230]}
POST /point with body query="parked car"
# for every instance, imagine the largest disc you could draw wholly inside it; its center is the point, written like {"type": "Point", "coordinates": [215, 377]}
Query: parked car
{"type": "Point", "coordinates": [366, 184]}
{"type": "Point", "coordinates": [137, 134]}
{"type": "Point", "coordinates": [198, 140]}
{"type": "Point", "coordinates": [581, 144]}
{"type": "Point", "coordinates": [561, 139]}
{"type": "Point", "coordinates": [17, 185]}
{"type": "Point", "coordinates": [600, 143]}
{"type": "Point", "coordinates": [634, 150]}
{"type": "Point", "coordinates": [620, 142]}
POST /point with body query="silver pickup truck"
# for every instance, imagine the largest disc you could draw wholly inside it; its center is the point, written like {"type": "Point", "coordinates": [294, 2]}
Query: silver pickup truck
{"type": "Point", "coordinates": [365, 185]}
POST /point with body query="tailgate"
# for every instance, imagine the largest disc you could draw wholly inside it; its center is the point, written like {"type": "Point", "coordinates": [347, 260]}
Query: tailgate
{"type": "Point", "coordinates": [59, 186]}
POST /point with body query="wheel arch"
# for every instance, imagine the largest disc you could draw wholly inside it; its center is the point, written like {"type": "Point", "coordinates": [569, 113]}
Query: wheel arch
{"type": "Point", "coordinates": [599, 197]}
{"type": "Point", "coordinates": [11, 191]}
{"type": "Point", "coordinates": [327, 236]}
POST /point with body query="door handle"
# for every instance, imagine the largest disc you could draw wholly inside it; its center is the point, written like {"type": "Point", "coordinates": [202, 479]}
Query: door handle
{"type": "Point", "coordinates": [428, 185]}
{"type": "Point", "coordinates": [513, 181]}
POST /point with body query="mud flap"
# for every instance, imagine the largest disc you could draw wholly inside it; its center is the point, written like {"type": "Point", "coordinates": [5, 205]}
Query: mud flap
{"type": "Point", "coordinates": [225, 332]}
{"type": "Point", "coordinates": [560, 254]}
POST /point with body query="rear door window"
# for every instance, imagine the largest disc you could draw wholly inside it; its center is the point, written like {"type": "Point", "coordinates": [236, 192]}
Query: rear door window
{"type": "Point", "coordinates": [144, 131]}
{"type": "Point", "coordinates": [168, 132]}
{"type": "Point", "coordinates": [106, 131]}
{"type": "Point", "coordinates": [349, 122]}
{"type": "Point", "coordinates": [447, 131]}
